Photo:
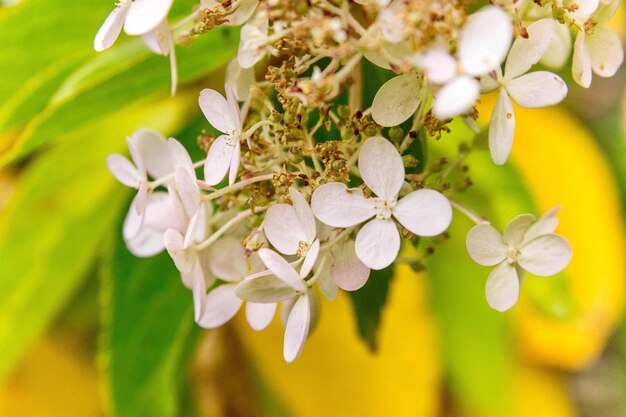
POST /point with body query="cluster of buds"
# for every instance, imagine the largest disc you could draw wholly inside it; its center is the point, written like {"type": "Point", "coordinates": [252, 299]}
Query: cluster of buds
{"type": "Point", "coordinates": [301, 195]}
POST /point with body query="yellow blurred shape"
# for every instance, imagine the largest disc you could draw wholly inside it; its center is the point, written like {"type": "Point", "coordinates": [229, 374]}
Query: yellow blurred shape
{"type": "Point", "coordinates": [52, 381]}
{"type": "Point", "coordinates": [541, 393]}
{"type": "Point", "coordinates": [337, 376]}
{"type": "Point", "coordinates": [562, 165]}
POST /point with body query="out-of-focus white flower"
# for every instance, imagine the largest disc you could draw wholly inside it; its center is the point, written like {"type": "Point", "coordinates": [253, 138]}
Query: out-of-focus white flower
{"type": "Point", "coordinates": [284, 285]}
{"type": "Point", "coordinates": [599, 50]}
{"type": "Point", "coordinates": [240, 80]}
{"type": "Point", "coordinates": [346, 270]}
{"type": "Point", "coordinates": [227, 262]}
{"type": "Point", "coordinates": [225, 153]}
{"type": "Point", "coordinates": [483, 45]}
{"type": "Point", "coordinates": [532, 90]}
{"type": "Point", "coordinates": [138, 17]}
{"type": "Point", "coordinates": [253, 42]}
{"type": "Point", "coordinates": [150, 155]}
{"type": "Point", "coordinates": [527, 244]}
{"type": "Point", "coordinates": [423, 212]}
{"type": "Point", "coordinates": [291, 230]}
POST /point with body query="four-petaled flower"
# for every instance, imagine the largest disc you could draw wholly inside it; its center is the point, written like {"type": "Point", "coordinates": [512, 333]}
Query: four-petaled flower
{"type": "Point", "coordinates": [423, 212]}
{"type": "Point", "coordinates": [527, 244]}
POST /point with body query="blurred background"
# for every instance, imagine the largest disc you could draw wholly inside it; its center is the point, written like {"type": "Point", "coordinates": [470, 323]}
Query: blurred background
{"type": "Point", "coordinates": [88, 330]}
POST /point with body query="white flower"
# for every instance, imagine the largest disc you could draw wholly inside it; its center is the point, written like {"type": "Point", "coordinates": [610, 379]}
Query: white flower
{"type": "Point", "coordinates": [292, 230]}
{"type": "Point", "coordinates": [150, 155]}
{"type": "Point", "coordinates": [285, 285]}
{"type": "Point", "coordinates": [253, 42]}
{"type": "Point", "coordinates": [240, 80]}
{"type": "Point", "coordinates": [346, 270]}
{"type": "Point", "coordinates": [138, 17]}
{"type": "Point", "coordinates": [227, 262]}
{"type": "Point", "coordinates": [147, 18]}
{"type": "Point", "coordinates": [423, 212]}
{"type": "Point", "coordinates": [532, 90]}
{"type": "Point", "coordinates": [483, 45]}
{"type": "Point", "coordinates": [527, 244]}
{"type": "Point", "coordinates": [225, 153]}
{"type": "Point", "coordinates": [143, 234]}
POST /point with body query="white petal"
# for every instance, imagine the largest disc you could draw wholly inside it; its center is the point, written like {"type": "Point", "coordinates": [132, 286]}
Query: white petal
{"type": "Point", "coordinates": [502, 288]}
{"type": "Point", "coordinates": [159, 39]}
{"type": "Point", "coordinates": [424, 212]}
{"type": "Point", "coordinates": [154, 152]}
{"type": "Point", "coordinates": [264, 289]}
{"type": "Point", "coordinates": [438, 66]}
{"type": "Point", "coordinates": [585, 9]}
{"type": "Point", "coordinates": [501, 129]}
{"type": "Point", "coordinates": [111, 28]}
{"type": "Point", "coordinates": [133, 221]}
{"type": "Point", "coordinates": [396, 100]}
{"type": "Point", "coordinates": [581, 62]}
{"type": "Point", "coordinates": [606, 52]}
{"type": "Point", "coordinates": [239, 79]}
{"type": "Point", "coordinates": [136, 156]}
{"type": "Point", "coordinates": [537, 89]}
{"type": "Point", "coordinates": [141, 200]}
{"type": "Point", "coordinates": [485, 245]}
{"type": "Point", "coordinates": [485, 40]}
{"type": "Point", "coordinates": [188, 191]}
{"type": "Point", "coordinates": [235, 113]}
{"type": "Point", "coordinates": [218, 160]}
{"type": "Point", "coordinates": [545, 225]}
{"type": "Point", "coordinates": [337, 206]}
{"type": "Point", "coordinates": [347, 271]}
{"type": "Point", "coordinates": [245, 9]}
{"type": "Point", "coordinates": [194, 280]}
{"type": "Point", "coordinates": [456, 97]}
{"type": "Point", "coordinates": [253, 40]}
{"type": "Point", "coordinates": [180, 157]}
{"type": "Point", "coordinates": [516, 230]}
{"type": "Point", "coordinates": [559, 50]}
{"type": "Point", "coordinates": [304, 213]}
{"type": "Point", "coordinates": [378, 243]}
{"type": "Point", "coordinates": [605, 11]}
{"type": "Point", "coordinates": [145, 15]}
{"type": "Point", "coordinates": [234, 164]}
{"type": "Point", "coordinates": [311, 257]}
{"type": "Point", "coordinates": [283, 228]}
{"type": "Point", "coordinates": [526, 52]}
{"type": "Point", "coordinates": [217, 111]}
{"type": "Point", "coordinates": [381, 168]}
{"type": "Point", "coordinates": [184, 259]}
{"type": "Point", "coordinates": [281, 268]}
{"type": "Point", "coordinates": [197, 229]}
{"type": "Point", "coordinates": [221, 305]}
{"type": "Point", "coordinates": [326, 284]}
{"type": "Point", "coordinates": [159, 216]}
{"type": "Point", "coordinates": [297, 328]}
{"type": "Point", "coordinates": [123, 170]}
{"type": "Point", "coordinates": [545, 255]}
{"type": "Point", "coordinates": [491, 81]}
{"type": "Point", "coordinates": [259, 315]}
{"type": "Point", "coordinates": [227, 261]}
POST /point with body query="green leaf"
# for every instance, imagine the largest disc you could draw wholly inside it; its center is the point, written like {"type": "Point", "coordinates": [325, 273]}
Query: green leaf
{"type": "Point", "coordinates": [368, 303]}
{"type": "Point", "coordinates": [95, 97]}
{"type": "Point", "coordinates": [148, 322]}
{"type": "Point", "coordinates": [64, 204]}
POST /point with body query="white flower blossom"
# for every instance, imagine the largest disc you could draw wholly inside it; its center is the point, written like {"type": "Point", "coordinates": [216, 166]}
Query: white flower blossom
{"type": "Point", "coordinates": [531, 90]}
{"type": "Point", "coordinates": [225, 153]}
{"type": "Point", "coordinates": [527, 244]}
{"type": "Point", "coordinates": [227, 262]}
{"type": "Point", "coordinates": [483, 45]}
{"type": "Point", "coordinates": [423, 212]}
{"type": "Point", "coordinates": [253, 43]}
{"type": "Point", "coordinates": [284, 285]}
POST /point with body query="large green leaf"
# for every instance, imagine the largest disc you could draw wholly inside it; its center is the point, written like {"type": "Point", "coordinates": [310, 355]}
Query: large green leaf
{"type": "Point", "coordinates": [64, 204]}
{"type": "Point", "coordinates": [148, 321]}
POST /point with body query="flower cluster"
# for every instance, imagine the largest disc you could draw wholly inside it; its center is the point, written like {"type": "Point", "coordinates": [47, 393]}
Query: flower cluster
{"type": "Point", "coordinates": [307, 189]}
